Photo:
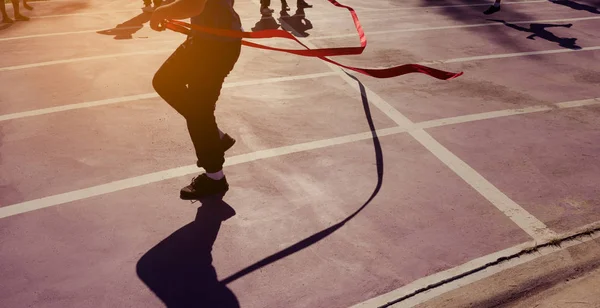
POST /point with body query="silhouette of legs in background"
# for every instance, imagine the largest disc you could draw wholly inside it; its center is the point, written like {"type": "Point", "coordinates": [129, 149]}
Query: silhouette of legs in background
{"type": "Point", "coordinates": [26, 5]}
{"type": "Point", "coordinates": [493, 9]}
{"type": "Point", "coordinates": [18, 16]}
{"type": "Point", "coordinates": [577, 6]}
{"type": "Point", "coordinates": [148, 5]}
{"type": "Point", "coordinates": [266, 11]}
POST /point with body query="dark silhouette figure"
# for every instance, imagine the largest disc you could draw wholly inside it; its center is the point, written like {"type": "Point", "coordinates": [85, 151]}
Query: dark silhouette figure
{"type": "Point", "coordinates": [126, 30]}
{"type": "Point", "coordinates": [179, 269]}
{"type": "Point", "coordinates": [297, 23]}
{"type": "Point", "coordinates": [266, 11]}
{"type": "Point", "coordinates": [577, 6]}
{"type": "Point", "coordinates": [17, 13]}
{"type": "Point", "coordinates": [540, 31]}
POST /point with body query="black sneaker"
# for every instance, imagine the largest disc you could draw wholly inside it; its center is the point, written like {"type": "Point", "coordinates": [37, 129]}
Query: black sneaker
{"type": "Point", "coordinates": [227, 142]}
{"type": "Point", "coordinates": [21, 18]}
{"type": "Point", "coordinates": [202, 186]}
{"type": "Point", "coordinates": [491, 10]}
{"type": "Point", "coordinates": [266, 11]}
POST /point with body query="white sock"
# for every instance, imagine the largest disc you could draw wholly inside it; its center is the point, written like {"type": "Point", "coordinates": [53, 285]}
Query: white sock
{"type": "Point", "coordinates": [216, 175]}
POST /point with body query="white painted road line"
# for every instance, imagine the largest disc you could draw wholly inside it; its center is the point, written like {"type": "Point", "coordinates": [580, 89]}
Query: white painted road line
{"type": "Point", "coordinates": [72, 60]}
{"type": "Point", "coordinates": [519, 54]}
{"type": "Point", "coordinates": [49, 201]}
{"type": "Point", "coordinates": [102, 102]}
{"type": "Point", "coordinates": [507, 112]}
{"type": "Point", "coordinates": [137, 97]}
{"type": "Point", "coordinates": [529, 223]}
{"type": "Point", "coordinates": [429, 63]}
{"type": "Point", "coordinates": [87, 13]}
{"type": "Point", "coordinates": [510, 55]}
{"type": "Point", "coordinates": [62, 33]}
{"type": "Point", "coordinates": [446, 6]}
{"type": "Point", "coordinates": [137, 181]}
{"type": "Point", "coordinates": [487, 24]}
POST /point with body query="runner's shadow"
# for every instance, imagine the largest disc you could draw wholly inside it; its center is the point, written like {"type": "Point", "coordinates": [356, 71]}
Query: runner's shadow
{"type": "Point", "coordinates": [127, 29]}
{"type": "Point", "coordinates": [298, 24]}
{"type": "Point", "coordinates": [539, 30]}
{"type": "Point", "coordinates": [313, 239]}
{"type": "Point", "coordinates": [266, 23]}
{"type": "Point", "coordinates": [577, 6]}
{"type": "Point", "coordinates": [179, 269]}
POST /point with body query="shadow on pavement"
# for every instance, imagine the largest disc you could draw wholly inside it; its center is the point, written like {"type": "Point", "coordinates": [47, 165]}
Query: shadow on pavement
{"type": "Point", "coordinates": [305, 243]}
{"type": "Point", "coordinates": [266, 23]}
{"type": "Point", "coordinates": [470, 12]}
{"type": "Point", "coordinates": [125, 30]}
{"type": "Point", "coordinates": [578, 6]}
{"type": "Point", "coordinates": [298, 24]}
{"type": "Point", "coordinates": [539, 30]}
{"type": "Point", "coordinates": [179, 269]}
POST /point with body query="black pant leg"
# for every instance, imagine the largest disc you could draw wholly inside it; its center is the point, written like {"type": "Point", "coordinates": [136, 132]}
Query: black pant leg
{"type": "Point", "coordinates": [216, 59]}
{"type": "Point", "coordinates": [190, 81]}
{"type": "Point", "coordinates": [171, 79]}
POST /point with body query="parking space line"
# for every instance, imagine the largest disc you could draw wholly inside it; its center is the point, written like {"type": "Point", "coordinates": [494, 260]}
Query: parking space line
{"type": "Point", "coordinates": [446, 6]}
{"type": "Point", "coordinates": [115, 186]}
{"type": "Point", "coordinates": [507, 112]}
{"type": "Point", "coordinates": [511, 55]}
{"type": "Point", "coordinates": [427, 63]}
{"type": "Point", "coordinates": [73, 60]}
{"type": "Point", "coordinates": [137, 181]}
{"type": "Point", "coordinates": [3, 39]}
{"type": "Point", "coordinates": [487, 24]}
{"type": "Point", "coordinates": [137, 97]}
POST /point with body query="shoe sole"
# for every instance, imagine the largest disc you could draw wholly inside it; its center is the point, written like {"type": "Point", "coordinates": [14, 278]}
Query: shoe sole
{"type": "Point", "coordinates": [189, 196]}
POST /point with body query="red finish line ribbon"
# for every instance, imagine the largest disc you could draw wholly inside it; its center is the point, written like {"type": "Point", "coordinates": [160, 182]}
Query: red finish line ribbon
{"type": "Point", "coordinates": [320, 53]}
